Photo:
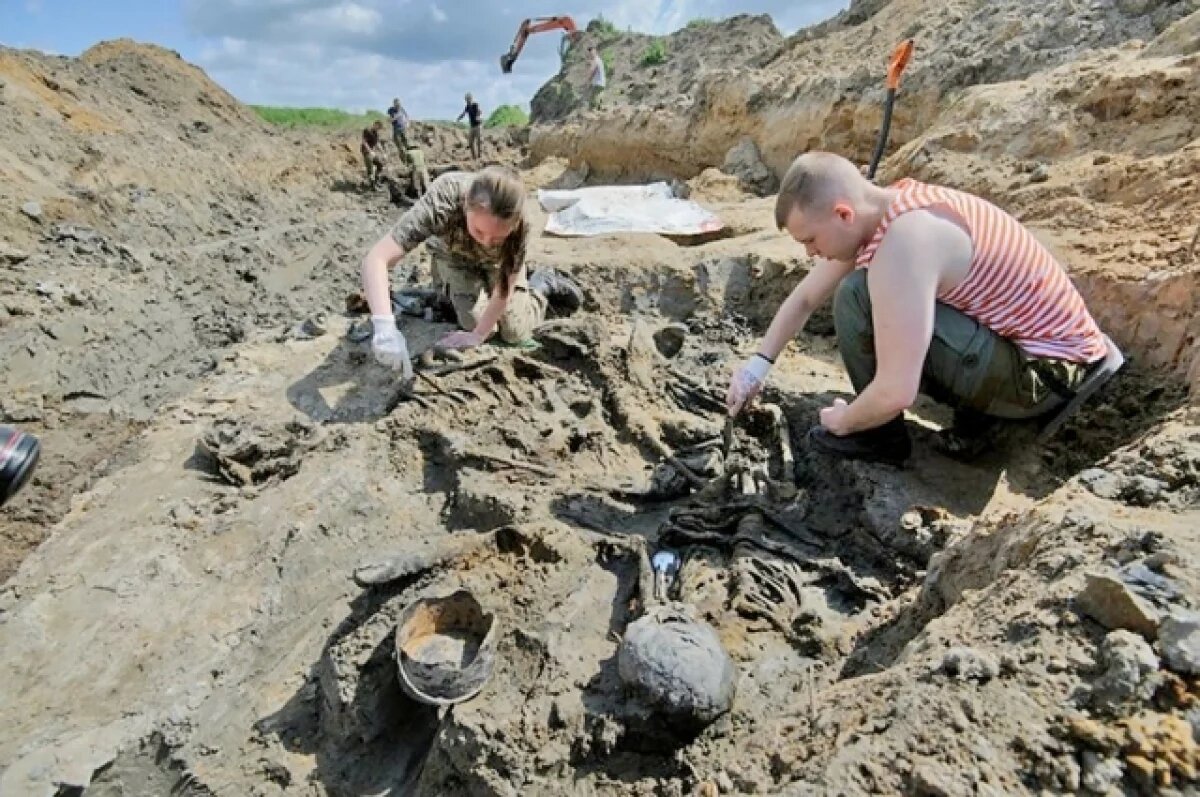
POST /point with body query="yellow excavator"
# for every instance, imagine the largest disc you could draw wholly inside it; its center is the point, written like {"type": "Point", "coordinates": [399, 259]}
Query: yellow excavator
{"type": "Point", "coordinates": [533, 25]}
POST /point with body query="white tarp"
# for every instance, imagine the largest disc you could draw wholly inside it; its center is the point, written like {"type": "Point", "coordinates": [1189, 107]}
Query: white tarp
{"type": "Point", "coordinates": [624, 208]}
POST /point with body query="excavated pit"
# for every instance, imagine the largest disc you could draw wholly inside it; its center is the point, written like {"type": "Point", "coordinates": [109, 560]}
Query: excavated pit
{"type": "Point", "coordinates": [243, 505]}
{"type": "Point", "coordinates": [542, 481]}
{"type": "Point", "coordinates": [809, 570]}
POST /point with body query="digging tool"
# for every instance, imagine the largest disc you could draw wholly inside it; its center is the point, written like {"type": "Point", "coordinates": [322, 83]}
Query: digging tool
{"type": "Point", "coordinates": [900, 58]}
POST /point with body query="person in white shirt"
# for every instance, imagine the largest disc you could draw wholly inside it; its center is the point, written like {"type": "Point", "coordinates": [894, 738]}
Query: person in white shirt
{"type": "Point", "coordinates": [597, 77]}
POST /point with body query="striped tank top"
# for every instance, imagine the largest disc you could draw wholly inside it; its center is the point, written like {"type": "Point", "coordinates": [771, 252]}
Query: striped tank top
{"type": "Point", "coordinates": [1014, 286]}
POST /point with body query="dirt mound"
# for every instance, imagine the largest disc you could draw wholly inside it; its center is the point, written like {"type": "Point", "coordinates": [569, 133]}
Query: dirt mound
{"type": "Point", "coordinates": [637, 77]}
{"type": "Point", "coordinates": [148, 221]}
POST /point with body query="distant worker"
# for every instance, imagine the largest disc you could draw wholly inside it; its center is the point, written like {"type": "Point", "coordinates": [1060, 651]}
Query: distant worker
{"type": "Point", "coordinates": [937, 291]}
{"type": "Point", "coordinates": [597, 77]}
{"type": "Point", "coordinates": [475, 116]}
{"type": "Point", "coordinates": [399, 128]}
{"type": "Point", "coordinates": [372, 152]}
{"type": "Point", "coordinates": [420, 171]}
{"type": "Point", "coordinates": [475, 228]}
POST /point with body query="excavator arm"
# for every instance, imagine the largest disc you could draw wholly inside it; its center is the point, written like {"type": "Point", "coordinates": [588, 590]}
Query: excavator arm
{"type": "Point", "coordinates": [539, 25]}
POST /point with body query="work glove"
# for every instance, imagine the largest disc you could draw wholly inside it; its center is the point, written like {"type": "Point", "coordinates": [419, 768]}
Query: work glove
{"type": "Point", "coordinates": [389, 346]}
{"type": "Point", "coordinates": [746, 383]}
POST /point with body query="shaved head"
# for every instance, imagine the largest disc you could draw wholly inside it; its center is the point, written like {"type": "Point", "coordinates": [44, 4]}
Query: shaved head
{"type": "Point", "coordinates": [814, 182]}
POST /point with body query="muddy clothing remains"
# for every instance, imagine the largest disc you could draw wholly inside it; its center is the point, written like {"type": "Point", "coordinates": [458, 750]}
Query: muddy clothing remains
{"type": "Point", "coordinates": [463, 269]}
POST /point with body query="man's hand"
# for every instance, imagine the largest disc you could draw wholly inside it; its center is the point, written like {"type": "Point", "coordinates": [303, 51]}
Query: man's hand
{"type": "Point", "coordinates": [834, 418]}
{"type": "Point", "coordinates": [389, 346]}
{"type": "Point", "coordinates": [747, 382]}
{"type": "Point", "coordinates": [461, 340]}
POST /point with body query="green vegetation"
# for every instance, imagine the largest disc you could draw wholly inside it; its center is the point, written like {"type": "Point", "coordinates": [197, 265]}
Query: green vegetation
{"type": "Point", "coordinates": [606, 57]}
{"type": "Point", "coordinates": [507, 116]}
{"type": "Point", "coordinates": [701, 22]}
{"type": "Point", "coordinates": [656, 53]}
{"type": "Point", "coordinates": [602, 26]}
{"type": "Point", "coordinates": [314, 117]}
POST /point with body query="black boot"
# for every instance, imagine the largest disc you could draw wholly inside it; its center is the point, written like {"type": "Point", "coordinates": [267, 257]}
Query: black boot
{"type": "Point", "coordinates": [561, 293]}
{"type": "Point", "coordinates": [888, 444]}
{"type": "Point", "coordinates": [971, 434]}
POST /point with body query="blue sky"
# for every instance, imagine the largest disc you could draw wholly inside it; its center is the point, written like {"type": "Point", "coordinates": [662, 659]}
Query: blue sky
{"type": "Point", "coordinates": [358, 54]}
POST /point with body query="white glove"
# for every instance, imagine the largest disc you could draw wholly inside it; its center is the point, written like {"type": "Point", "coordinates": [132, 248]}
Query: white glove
{"type": "Point", "coordinates": [746, 383]}
{"type": "Point", "coordinates": [389, 346]}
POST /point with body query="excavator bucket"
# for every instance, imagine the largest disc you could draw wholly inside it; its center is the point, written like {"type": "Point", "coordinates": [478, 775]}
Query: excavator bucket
{"type": "Point", "coordinates": [506, 62]}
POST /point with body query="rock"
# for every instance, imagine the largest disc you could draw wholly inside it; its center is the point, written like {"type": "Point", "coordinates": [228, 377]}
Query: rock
{"type": "Point", "coordinates": [360, 330]}
{"type": "Point", "coordinates": [1110, 602]}
{"type": "Point", "coordinates": [33, 210]}
{"type": "Point", "coordinates": [670, 338]}
{"type": "Point", "coordinates": [1100, 774]}
{"type": "Point", "coordinates": [1101, 483]}
{"type": "Point", "coordinates": [11, 255]}
{"type": "Point", "coordinates": [934, 779]}
{"type": "Point", "coordinates": [21, 407]}
{"type": "Point", "coordinates": [1102, 159]}
{"type": "Point", "coordinates": [678, 666]}
{"type": "Point", "coordinates": [56, 292]}
{"type": "Point", "coordinates": [248, 453]}
{"type": "Point", "coordinates": [1143, 490]}
{"type": "Point", "coordinates": [968, 664]}
{"type": "Point", "coordinates": [1040, 173]}
{"type": "Point", "coordinates": [1135, 8]}
{"type": "Point", "coordinates": [311, 328]}
{"type": "Point", "coordinates": [744, 161]}
{"type": "Point", "coordinates": [1179, 640]}
{"type": "Point", "coordinates": [1130, 672]}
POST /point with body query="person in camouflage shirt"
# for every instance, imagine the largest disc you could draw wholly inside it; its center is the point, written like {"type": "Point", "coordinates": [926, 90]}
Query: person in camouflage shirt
{"type": "Point", "coordinates": [476, 229]}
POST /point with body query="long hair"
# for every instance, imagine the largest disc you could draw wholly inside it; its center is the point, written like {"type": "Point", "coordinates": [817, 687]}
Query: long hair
{"type": "Point", "coordinates": [498, 191]}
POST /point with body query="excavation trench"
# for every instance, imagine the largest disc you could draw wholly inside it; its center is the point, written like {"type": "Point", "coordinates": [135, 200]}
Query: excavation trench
{"type": "Point", "coordinates": [556, 473]}
{"type": "Point", "coordinates": [546, 478]}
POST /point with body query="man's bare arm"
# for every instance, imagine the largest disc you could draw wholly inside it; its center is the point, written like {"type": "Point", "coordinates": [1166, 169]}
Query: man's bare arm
{"type": "Point", "coordinates": [903, 282]}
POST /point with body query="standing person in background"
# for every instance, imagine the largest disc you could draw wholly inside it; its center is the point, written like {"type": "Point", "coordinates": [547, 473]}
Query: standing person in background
{"type": "Point", "coordinates": [475, 116]}
{"type": "Point", "coordinates": [372, 152]}
{"type": "Point", "coordinates": [399, 128]}
{"type": "Point", "coordinates": [597, 77]}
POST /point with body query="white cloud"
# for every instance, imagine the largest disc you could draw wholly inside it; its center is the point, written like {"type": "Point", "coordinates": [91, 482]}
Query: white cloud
{"type": "Point", "coordinates": [350, 18]}
{"type": "Point", "coordinates": [358, 54]}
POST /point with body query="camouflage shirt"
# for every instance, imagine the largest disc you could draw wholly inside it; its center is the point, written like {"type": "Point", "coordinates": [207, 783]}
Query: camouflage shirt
{"type": "Point", "coordinates": [439, 220]}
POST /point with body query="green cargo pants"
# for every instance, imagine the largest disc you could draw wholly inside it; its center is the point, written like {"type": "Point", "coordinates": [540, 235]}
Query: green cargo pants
{"type": "Point", "coordinates": [400, 139]}
{"type": "Point", "coordinates": [968, 366]}
{"type": "Point", "coordinates": [468, 289]}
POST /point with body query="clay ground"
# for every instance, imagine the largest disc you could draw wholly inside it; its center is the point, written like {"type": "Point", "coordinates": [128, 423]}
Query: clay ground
{"type": "Point", "coordinates": [222, 455]}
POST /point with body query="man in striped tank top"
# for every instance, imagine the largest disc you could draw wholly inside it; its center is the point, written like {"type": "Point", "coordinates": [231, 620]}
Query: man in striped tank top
{"type": "Point", "coordinates": [935, 291]}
